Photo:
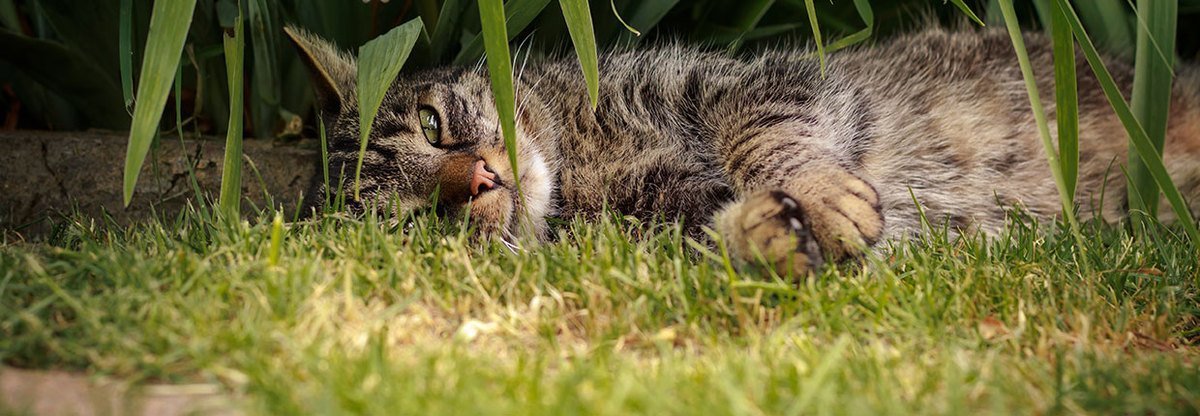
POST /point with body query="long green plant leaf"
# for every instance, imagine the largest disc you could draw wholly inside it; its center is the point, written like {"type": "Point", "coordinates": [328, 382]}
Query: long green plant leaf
{"type": "Point", "coordinates": [495, 36]}
{"type": "Point", "coordinates": [125, 47]}
{"type": "Point", "coordinates": [1151, 98]}
{"type": "Point", "coordinates": [1141, 141]}
{"type": "Point", "coordinates": [169, 23]}
{"type": "Point", "coordinates": [264, 36]}
{"type": "Point", "coordinates": [1108, 22]}
{"type": "Point", "coordinates": [621, 20]}
{"type": "Point", "coordinates": [1066, 95]}
{"type": "Point", "coordinates": [8, 15]}
{"type": "Point", "coordinates": [1039, 114]}
{"type": "Point", "coordinates": [191, 171]}
{"type": "Point", "coordinates": [579, 23]}
{"type": "Point", "coordinates": [324, 163]}
{"type": "Point", "coordinates": [231, 170]}
{"type": "Point", "coordinates": [517, 13]}
{"type": "Point", "coordinates": [379, 61]}
{"type": "Point", "coordinates": [967, 11]}
{"type": "Point", "coordinates": [816, 31]}
{"type": "Point", "coordinates": [863, 7]}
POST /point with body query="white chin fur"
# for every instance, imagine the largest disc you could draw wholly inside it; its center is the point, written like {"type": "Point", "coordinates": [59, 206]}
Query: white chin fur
{"type": "Point", "coordinates": [536, 186]}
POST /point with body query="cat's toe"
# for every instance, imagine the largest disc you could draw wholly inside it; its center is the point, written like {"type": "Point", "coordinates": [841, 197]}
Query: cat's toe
{"type": "Point", "coordinates": [846, 219]}
{"type": "Point", "coordinates": [771, 227]}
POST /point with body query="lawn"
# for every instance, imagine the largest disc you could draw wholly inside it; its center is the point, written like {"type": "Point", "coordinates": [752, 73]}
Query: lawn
{"type": "Point", "coordinates": [359, 316]}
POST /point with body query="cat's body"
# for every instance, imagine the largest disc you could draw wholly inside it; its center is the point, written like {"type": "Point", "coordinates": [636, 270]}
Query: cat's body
{"type": "Point", "coordinates": [782, 161]}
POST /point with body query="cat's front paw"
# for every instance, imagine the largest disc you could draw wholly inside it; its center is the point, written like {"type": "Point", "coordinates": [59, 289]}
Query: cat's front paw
{"type": "Point", "coordinates": [844, 213]}
{"type": "Point", "coordinates": [771, 225]}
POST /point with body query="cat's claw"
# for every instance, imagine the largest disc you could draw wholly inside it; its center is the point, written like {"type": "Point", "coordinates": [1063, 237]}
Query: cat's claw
{"type": "Point", "coordinates": [845, 215]}
{"type": "Point", "coordinates": [788, 202]}
{"type": "Point", "coordinates": [771, 227]}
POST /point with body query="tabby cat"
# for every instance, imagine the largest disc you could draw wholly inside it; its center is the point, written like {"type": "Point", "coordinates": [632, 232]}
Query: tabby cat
{"type": "Point", "coordinates": [785, 162]}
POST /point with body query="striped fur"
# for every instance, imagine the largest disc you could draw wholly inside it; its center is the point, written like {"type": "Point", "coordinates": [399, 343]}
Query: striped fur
{"type": "Point", "coordinates": [784, 162]}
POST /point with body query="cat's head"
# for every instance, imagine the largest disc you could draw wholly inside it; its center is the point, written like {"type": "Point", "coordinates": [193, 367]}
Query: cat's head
{"type": "Point", "coordinates": [436, 140]}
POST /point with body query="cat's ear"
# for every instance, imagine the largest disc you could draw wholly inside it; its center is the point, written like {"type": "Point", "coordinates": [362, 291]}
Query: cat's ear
{"type": "Point", "coordinates": [331, 70]}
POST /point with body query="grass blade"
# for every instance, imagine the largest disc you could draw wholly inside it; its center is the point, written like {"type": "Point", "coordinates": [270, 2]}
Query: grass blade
{"type": "Point", "coordinates": [379, 61]}
{"type": "Point", "coordinates": [1039, 114]}
{"type": "Point", "coordinates": [169, 24]}
{"type": "Point", "coordinates": [967, 11]}
{"type": "Point", "coordinates": [579, 23]}
{"type": "Point", "coordinates": [816, 31]}
{"type": "Point", "coordinates": [125, 46]}
{"type": "Point", "coordinates": [1066, 95]}
{"type": "Point", "coordinates": [324, 162]}
{"type": "Point", "coordinates": [264, 30]}
{"type": "Point", "coordinates": [231, 170]}
{"type": "Point", "coordinates": [868, 17]}
{"type": "Point", "coordinates": [1151, 99]}
{"type": "Point", "coordinates": [1141, 141]}
{"type": "Point", "coordinates": [276, 239]}
{"type": "Point", "coordinates": [621, 20]}
{"type": "Point", "coordinates": [1108, 20]}
{"type": "Point", "coordinates": [495, 38]}
{"type": "Point", "coordinates": [191, 171]}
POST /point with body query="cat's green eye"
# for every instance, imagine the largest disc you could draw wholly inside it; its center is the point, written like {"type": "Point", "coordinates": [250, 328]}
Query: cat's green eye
{"type": "Point", "coordinates": [431, 126]}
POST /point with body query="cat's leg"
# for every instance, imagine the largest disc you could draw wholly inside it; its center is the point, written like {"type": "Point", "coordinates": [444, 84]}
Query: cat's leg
{"type": "Point", "coordinates": [799, 204]}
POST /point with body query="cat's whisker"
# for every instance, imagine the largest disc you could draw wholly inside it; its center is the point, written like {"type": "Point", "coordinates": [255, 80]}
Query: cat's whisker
{"type": "Point", "coordinates": [528, 45]}
{"type": "Point", "coordinates": [479, 64]}
{"type": "Point", "coordinates": [523, 99]}
{"type": "Point", "coordinates": [514, 248]}
{"type": "Point", "coordinates": [517, 84]}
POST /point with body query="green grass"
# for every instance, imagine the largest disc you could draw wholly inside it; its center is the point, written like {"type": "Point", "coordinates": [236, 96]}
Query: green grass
{"type": "Point", "coordinates": [614, 317]}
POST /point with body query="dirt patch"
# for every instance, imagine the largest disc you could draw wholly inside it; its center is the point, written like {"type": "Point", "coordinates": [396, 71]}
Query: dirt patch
{"type": "Point", "coordinates": [43, 174]}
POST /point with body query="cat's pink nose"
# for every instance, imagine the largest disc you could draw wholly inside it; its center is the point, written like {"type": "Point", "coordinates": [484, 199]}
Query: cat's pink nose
{"type": "Point", "coordinates": [481, 178]}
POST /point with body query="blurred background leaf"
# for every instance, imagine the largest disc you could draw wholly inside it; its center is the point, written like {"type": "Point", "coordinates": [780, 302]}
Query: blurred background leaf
{"type": "Point", "coordinates": [70, 74]}
{"type": "Point", "coordinates": [278, 100]}
{"type": "Point", "coordinates": [579, 24]}
{"type": "Point", "coordinates": [1153, 74]}
{"type": "Point", "coordinates": [231, 172]}
{"type": "Point", "coordinates": [168, 32]}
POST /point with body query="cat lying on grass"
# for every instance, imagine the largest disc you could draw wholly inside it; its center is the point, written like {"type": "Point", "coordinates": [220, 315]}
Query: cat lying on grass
{"type": "Point", "coordinates": [782, 162]}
